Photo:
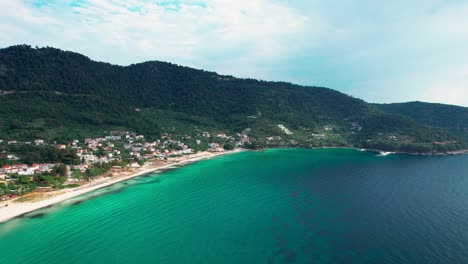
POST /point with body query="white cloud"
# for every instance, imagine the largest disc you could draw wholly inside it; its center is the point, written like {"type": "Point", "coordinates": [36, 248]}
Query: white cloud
{"type": "Point", "coordinates": [452, 89]}
{"type": "Point", "coordinates": [131, 31]}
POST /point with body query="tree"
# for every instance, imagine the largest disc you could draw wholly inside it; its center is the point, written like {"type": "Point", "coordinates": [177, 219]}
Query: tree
{"type": "Point", "coordinates": [88, 174]}
{"type": "Point", "coordinates": [251, 145]}
{"type": "Point", "coordinates": [60, 169]}
{"type": "Point", "coordinates": [24, 179]}
{"type": "Point", "coordinates": [32, 186]}
{"type": "Point", "coordinates": [76, 174]}
{"type": "Point", "coordinates": [100, 152]}
{"type": "Point", "coordinates": [123, 164]}
{"type": "Point", "coordinates": [228, 146]}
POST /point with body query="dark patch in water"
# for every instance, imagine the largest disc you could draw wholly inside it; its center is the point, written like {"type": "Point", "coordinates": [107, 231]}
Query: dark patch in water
{"type": "Point", "coordinates": [38, 215]}
{"type": "Point", "coordinates": [345, 259]}
{"type": "Point", "coordinates": [280, 251]}
{"type": "Point", "coordinates": [308, 248]}
{"type": "Point", "coordinates": [114, 191]}
{"type": "Point", "coordinates": [151, 182]}
{"type": "Point", "coordinates": [290, 257]}
{"type": "Point", "coordinates": [168, 169]}
{"type": "Point", "coordinates": [109, 191]}
{"type": "Point", "coordinates": [324, 233]}
{"type": "Point", "coordinates": [281, 242]}
{"type": "Point", "coordinates": [309, 215]}
{"type": "Point", "coordinates": [106, 192]}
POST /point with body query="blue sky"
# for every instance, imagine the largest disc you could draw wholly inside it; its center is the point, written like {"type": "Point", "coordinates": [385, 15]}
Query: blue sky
{"type": "Point", "coordinates": [381, 51]}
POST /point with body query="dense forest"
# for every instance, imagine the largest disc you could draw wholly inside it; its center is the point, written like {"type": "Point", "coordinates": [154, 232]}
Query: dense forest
{"type": "Point", "coordinates": [59, 95]}
{"type": "Point", "coordinates": [449, 117]}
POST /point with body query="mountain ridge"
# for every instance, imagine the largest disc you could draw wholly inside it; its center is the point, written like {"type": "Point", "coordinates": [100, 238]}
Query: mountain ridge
{"type": "Point", "coordinates": [43, 77]}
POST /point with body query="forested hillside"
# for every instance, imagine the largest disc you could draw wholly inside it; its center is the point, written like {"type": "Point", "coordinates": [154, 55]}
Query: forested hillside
{"type": "Point", "coordinates": [57, 94]}
{"type": "Point", "coordinates": [449, 117]}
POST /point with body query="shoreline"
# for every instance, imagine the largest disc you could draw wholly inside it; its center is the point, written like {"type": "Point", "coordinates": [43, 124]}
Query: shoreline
{"type": "Point", "coordinates": [448, 153]}
{"type": "Point", "coordinates": [15, 209]}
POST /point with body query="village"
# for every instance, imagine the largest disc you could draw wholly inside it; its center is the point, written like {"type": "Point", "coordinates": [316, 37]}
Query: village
{"type": "Point", "coordinates": [92, 157]}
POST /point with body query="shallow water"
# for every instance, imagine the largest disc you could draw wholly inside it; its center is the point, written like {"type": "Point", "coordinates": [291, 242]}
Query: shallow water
{"type": "Point", "coordinates": [278, 206]}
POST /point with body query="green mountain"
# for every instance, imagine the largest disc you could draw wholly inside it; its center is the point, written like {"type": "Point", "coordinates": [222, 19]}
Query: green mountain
{"type": "Point", "coordinates": [59, 95]}
{"type": "Point", "coordinates": [448, 117]}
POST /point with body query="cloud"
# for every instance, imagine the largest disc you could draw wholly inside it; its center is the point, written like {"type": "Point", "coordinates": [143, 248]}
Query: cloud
{"type": "Point", "coordinates": [451, 90]}
{"type": "Point", "coordinates": [379, 51]}
{"type": "Point", "coordinates": [184, 31]}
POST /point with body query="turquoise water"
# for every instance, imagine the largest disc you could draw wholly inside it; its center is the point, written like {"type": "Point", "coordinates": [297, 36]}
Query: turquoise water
{"type": "Point", "coordinates": [279, 206]}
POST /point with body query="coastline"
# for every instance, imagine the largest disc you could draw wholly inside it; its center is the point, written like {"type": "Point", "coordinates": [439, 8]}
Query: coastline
{"type": "Point", "coordinates": [15, 209]}
{"type": "Point", "coordinates": [447, 153]}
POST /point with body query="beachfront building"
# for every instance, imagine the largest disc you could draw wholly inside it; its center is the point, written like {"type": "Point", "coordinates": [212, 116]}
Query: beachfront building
{"type": "Point", "coordinates": [39, 142]}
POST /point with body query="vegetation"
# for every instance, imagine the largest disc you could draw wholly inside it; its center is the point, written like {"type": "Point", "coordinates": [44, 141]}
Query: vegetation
{"type": "Point", "coordinates": [23, 184]}
{"type": "Point", "coordinates": [98, 169]}
{"type": "Point", "coordinates": [451, 118]}
{"type": "Point", "coordinates": [57, 95]}
{"type": "Point", "coordinates": [30, 154]}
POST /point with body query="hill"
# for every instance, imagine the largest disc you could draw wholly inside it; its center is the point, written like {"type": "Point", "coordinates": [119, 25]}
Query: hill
{"type": "Point", "coordinates": [57, 95]}
{"type": "Point", "coordinates": [448, 117]}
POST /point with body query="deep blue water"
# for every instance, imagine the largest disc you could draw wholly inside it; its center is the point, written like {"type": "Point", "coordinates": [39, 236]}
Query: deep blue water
{"type": "Point", "coordinates": [278, 206]}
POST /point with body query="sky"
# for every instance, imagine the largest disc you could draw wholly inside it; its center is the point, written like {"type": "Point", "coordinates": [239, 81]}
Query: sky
{"type": "Point", "coordinates": [380, 51]}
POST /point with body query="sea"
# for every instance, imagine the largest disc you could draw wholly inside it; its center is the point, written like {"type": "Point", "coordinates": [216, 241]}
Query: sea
{"type": "Point", "coordinates": [275, 206]}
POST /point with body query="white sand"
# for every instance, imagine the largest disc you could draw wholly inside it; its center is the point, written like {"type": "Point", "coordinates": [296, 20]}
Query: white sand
{"type": "Point", "coordinates": [18, 208]}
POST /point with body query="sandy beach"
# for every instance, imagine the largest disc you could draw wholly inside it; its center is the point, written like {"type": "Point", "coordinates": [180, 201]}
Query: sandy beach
{"type": "Point", "coordinates": [16, 208]}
